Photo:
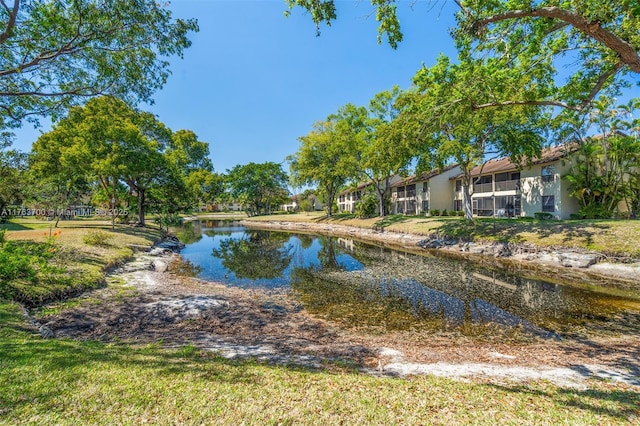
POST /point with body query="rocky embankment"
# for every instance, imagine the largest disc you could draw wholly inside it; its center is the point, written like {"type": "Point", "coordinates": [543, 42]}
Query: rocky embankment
{"type": "Point", "coordinates": [572, 263]}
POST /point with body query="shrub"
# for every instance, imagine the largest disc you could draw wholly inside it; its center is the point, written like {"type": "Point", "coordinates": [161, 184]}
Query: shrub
{"type": "Point", "coordinates": [435, 212]}
{"type": "Point", "coordinates": [576, 216]}
{"type": "Point", "coordinates": [444, 213]}
{"type": "Point", "coordinates": [165, 220]}
{"type": "Point", "coordinates": [3, 237]}
{"type": "Point", "coordinates": [366, 207]}
{"type": "Point", "coordinates": [96, 238]}
{"type": "Point", "coordinates": [543, 215]}
{"type": "Point", "coordinates": [460, 213]}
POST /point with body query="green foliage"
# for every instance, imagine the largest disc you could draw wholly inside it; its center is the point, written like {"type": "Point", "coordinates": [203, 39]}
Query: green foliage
{"type": "Point", "coordinates": [258, 186]}
{"type": "Point", "coordinates": [604, 170]}
{"type": "Point", "coordinates": [57, 54]}
{"type": "Point", "coordinates": [118, 151]}
{"type": "Point", "coordinates": [306, 205]}
{"type": "Point", "coordinates": [327, 157]}
{"type": "Point", "coordinates": [366, 207]}
{"type": "Point", "coordinates": [440, 119]}
{"type": "Point", "coordinates": [434, 212]}
{"type": "Point", "coordinates": [30, 273]}
{"type": "Point", "coordinates": [530, 46]}
{"type": "Point", "coordinates": [97, 238]}
{"type": "Point", "coordinates": [543, 215]}
{"type": "Point", "coordinates": [166, 220]}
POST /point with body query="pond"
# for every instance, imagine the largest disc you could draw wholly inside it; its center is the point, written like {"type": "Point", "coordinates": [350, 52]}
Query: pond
{"type": "Point", "coordinates": [366, 286]}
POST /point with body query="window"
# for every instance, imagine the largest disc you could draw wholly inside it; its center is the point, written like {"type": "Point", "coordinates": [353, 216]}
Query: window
{"type": "Point", "coordinates": [459, 185]}
{"type": "Point", "coordinates": [411, 207]}
{"type": "Point", "coordinates": [425, 187]}
{"type": "Point", "coordinates": [400, 207]}
{"type": "Point", "coordinates": [425, 206]}
{"type": "Point", "coordinates": [457, 205]}
{"type": "Point", "coordinates": [401, 192]}
{"type": "Point", "coordinates": [548, 203]}
{"type": "Point", "coordinates": [411, 190]}
{"type": "Point", "coordinates": [548, 173]}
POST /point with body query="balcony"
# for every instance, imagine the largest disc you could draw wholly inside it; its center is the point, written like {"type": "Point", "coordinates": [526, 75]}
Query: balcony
{"type": "Point", "coordinates": [483, 187]}
{"type": "Point", "coordinates": [508, 185]}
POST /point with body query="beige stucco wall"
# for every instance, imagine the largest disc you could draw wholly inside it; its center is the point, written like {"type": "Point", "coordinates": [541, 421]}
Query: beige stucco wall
{"type": "Point", "coordinates": [533, 189]}
{"type": "Point", "coordinates": [441, 189]}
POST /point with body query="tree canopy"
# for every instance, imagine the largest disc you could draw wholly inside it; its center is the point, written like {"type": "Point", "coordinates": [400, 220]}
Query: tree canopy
{"type": "Point", "coordinates": [119, 149]}
{"type": "Point", "coordinates": [598, 40]}
{"type": "Point", "coordinates": [258, 186]}
{"type": "Point", "coordinates": [327, 156]}
{"type": "Point", "coordinates": [55, 54]}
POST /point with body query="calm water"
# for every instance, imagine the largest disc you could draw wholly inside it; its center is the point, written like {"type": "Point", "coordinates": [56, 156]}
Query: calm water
{"type": "Point", "coordinates": [362, 285]}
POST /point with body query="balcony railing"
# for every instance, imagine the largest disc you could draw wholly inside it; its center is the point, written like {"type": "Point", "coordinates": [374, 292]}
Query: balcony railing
{"type": "Point", "coordinates": [508, 185]}
{"type": "Point", "coordinates": [483, 187]}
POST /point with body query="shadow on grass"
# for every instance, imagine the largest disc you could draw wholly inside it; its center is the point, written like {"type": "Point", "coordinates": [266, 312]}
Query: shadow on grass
{"type": "Point", "coordinates": [509, 230]}
{"type": "Point", "coordinates": [621, 405]}
{"type": "Point", "coordinates": [391, 220]}
{"type": "Point", "coordinates": [12, 226]}
{"type": "Point", "coordinates": [337, 217]}
{"type": "Point", "coordinates": [79, 364]}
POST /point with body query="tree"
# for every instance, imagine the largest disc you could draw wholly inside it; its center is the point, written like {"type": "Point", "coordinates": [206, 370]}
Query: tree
{"type": "Point", "coordinates": [188, 153]}
{"type": "Point", "coordinates": [327, 156]}
{"type": "Point", "coordinates": [600, 38]}
{"type": "Point", "coordinates": [259, 186]}
{"type": "Point", "coordinates": [13, 165]}
{"type": "Point", "coordinates": [191, 159]}
{"type": "Point", "coordinates": [204, 186]}
{"type": "Point", "coordinates": [604, 170]}
{"type": "Point", "coordinates": [56, 54]}
{"type": "Point", "coordinates": [385, 152]}
{"type": "Point", "coordinates": [57, 180]}
{"type": "Point", "coordinates": [440, 118]}
{"type": "Point", "coordinates": [109, 143]}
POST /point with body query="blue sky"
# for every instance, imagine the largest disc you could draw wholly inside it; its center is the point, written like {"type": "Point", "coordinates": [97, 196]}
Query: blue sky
{"type": "Point", "coordinates": [254, 81]}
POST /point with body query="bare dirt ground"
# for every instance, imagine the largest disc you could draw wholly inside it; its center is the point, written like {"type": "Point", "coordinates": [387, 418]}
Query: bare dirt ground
{"type": "Point", "coordinates": [142, 306]}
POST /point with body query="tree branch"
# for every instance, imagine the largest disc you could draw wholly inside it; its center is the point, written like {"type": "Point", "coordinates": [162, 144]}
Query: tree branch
{"type": "Point", "coordinates": [11, 23]}
{"type": "Point", "coordinates": [528, 103]}
{"type": "Point", "coordinates": [625, 50]}
{"type": "Point", "coordinates": [601, 81]}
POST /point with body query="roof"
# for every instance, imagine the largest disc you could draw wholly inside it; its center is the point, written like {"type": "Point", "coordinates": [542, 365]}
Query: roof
{"type": "Point", "coordinates": [392, 181]}
{"type": "Point", "coordinates": [548, 155]}
{"type": "Point", "coordinates": [423, 177]}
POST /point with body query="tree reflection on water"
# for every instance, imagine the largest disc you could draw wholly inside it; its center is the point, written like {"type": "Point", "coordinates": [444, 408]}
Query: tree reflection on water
{"type": "Point", "coordinates": [257, 255]}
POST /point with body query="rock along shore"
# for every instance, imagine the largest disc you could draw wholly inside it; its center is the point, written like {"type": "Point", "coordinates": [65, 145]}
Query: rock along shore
{"type": "Point", "coordinates": [568, 264]}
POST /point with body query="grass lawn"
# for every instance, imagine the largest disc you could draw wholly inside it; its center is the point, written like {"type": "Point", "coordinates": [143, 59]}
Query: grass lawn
{"type": "Point", "coordinates": [616, 237]}
{"type": "Point", "coordinates": [69, 382]}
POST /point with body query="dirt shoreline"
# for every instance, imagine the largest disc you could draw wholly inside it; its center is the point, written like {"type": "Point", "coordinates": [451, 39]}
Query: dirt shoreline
{"type": "Point", "coordinates": [571, 264]}
{"type": "Point", "coordinates": [144, 304]}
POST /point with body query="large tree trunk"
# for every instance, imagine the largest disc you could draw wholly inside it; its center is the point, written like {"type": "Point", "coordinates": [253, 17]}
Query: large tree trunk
{"type": "Point", "coordinates": [141, 201]}
{"type": "Point", "coordinates": [466, 193]}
